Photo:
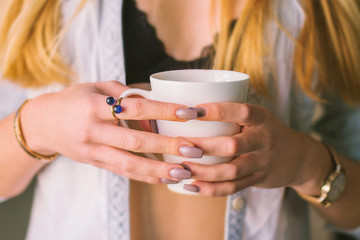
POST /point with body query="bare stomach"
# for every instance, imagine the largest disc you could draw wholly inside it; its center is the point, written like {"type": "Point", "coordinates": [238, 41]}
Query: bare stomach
{"type": "Point", "coordinates": [159, 214]}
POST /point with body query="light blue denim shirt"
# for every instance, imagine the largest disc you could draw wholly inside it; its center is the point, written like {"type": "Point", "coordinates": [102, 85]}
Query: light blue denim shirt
{"type": "Point", "coordinates": [75, 201]}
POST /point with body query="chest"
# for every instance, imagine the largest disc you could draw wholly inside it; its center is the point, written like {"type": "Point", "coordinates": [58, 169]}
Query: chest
{"type": "Point", "coordinates": [185, 27]}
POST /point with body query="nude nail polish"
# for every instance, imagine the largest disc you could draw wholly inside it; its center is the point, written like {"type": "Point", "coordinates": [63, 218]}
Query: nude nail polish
{"type": "Point", "coordinates": [168, 181]}
{"type": "Point", "coordinates": [191, 188]}
{"type": "Point", "coordinates": [200, 111]}
{"type": "Point", "coordinates": [180, 173]}
{"type": "Point", "coordinates": [191, 152]}
{"type": "Point", "coordinates": [185, 166]}
{"type": "Point", "coordinates": [186, 113]}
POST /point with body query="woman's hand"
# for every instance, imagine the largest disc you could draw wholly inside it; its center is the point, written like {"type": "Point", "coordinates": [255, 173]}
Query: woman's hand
{"type": "Point", "coordinates": [78, 123]}
{"type": "Point", "coordinates": [268, 154]}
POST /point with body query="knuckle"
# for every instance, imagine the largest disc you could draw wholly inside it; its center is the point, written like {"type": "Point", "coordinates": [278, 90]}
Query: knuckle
{"type": "Point", "coordinates": [137, 108]}
{"type": "Point", "coordinates": [133, 143]}
{"type": "Point", "coordinates": [232, 146]}
{"type": "Point", "coordinates": [209, 191]}
{"type": "Point", "coordinates": [172, 145]}
{"type": "Point", "coordinates": [83, 136]}
{"type": "Point", "coordinates": [246, 112]}
{"type": "Point", "coordinates": [85, 132]}
{"type": "Point", "coordinates": [217, 111]}
{"type": "Point", "coordinates": [232, 171]}
{"type": "Point", "coordinates": [127, 166]}
{"type": "Point", "coordinates": [157, 172]}
{"type": "Point", "coordinates": [161, 171]}
{"type": "Point", "coordinates": [164, 112]}
{"type": "Point", "coordinates": [167, 147]}
{"type": "Point", "coordinates": [89, 132]}
{"type": "Point", "coordinates": [202, 173]}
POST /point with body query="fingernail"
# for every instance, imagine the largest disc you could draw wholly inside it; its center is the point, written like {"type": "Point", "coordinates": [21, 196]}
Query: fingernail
{"type": "Point", "coordinates": [154, 126]}
{"type": "Point", "coordinates": [185, 166]}
{"type": "Point", "coordinates": [200, 111]}
{"type": "Point", "coordinates": [186, 113]}
{"type": "Point", "coordinates": [191, 188]}
{"type": "Point", "coordinates": [168, 181]}
{"type": "Point", "coordinates": [192, 152]}
{"type": "Point", "coordinates": [180, 173]}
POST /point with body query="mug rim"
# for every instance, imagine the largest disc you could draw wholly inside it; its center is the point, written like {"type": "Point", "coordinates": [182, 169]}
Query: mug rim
{"type": "Point", "coordinates": [155, 77]}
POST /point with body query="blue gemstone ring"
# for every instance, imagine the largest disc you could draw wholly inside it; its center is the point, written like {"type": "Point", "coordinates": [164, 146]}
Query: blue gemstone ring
{"type": "Point", "coordinates": [110, 101]}
{"type": "Point", "coordinates": [115, 107]}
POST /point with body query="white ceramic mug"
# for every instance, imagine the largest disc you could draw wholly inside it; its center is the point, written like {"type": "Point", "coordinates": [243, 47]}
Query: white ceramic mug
{"type": "Point", "coordinates": [192, 87]}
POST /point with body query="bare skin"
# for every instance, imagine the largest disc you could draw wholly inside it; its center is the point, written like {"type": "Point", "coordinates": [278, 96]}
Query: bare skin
{"type": "Point", "coordinates": [262, 160]}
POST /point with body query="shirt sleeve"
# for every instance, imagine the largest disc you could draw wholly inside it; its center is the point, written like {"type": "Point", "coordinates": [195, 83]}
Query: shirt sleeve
{"type": "Point", "coordinates": [339, 126]}
{"type": "Point", "coordinates": [11, 97]}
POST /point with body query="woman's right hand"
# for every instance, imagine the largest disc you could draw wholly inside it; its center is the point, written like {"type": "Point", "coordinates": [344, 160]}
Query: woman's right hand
{"type": "Point", "coordinates": [77, 122]}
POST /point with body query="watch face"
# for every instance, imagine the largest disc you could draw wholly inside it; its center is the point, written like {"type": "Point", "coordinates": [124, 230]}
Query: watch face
{"type": "Point", "coordinates": [336, 187]}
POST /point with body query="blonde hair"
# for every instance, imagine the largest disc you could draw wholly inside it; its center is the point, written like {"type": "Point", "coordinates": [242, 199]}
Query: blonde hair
{"type": "Point", "coordinates": [329, 44]}
{"type": "Point", "coordinates": [30, 35]}
{"type": "Point", "coordinates": [28, 30]}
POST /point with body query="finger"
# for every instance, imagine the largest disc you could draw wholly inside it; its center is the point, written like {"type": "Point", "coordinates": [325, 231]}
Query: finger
{"type": "Point", "coordinates": [228, 146]}
{"type": "Point", "coordinates": [218, 189]}
{"type": "Point", "coordinates": [111, 88]}
{"type": "Point", "coordinates": [138, 141]}
{"type": "Point", "coordinates": [114, 169]}
{"type": "Point", "coordinates": [141, 178]}
{"type": "Point", "coordinates": [127, 164]}
{"type": "Point", "coordinates": [135, 109]}
{"type": "Point", "coordinates": [236, 169]}
{"type": "Point", "coordinates": [136, 177]}
{"type": "Point", "coordinates": [242, 113]}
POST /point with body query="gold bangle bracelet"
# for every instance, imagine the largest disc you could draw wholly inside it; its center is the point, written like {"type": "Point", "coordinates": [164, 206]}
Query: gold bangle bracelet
{"type": "Point", "coordinates": [21, 140]}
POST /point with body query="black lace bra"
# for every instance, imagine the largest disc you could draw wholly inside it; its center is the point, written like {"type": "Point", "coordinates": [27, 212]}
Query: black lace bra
{"type": "Point", "coordinates": [145, 53]}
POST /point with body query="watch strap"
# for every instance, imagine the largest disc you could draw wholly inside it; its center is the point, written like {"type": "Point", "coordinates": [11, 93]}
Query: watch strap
{"type": "Point", "coordinates": [326, 187]}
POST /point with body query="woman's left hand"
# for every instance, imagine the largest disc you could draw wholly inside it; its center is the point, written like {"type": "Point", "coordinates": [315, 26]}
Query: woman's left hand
{"type": "Point", "coordinates": [268, 153]}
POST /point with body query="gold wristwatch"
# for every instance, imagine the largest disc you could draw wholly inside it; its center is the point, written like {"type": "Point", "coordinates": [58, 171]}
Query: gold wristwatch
{"type": "Point", "coordinates": [333, 186]}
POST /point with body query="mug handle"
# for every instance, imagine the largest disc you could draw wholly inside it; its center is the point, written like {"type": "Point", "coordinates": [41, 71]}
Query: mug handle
{"type": "Point", "coordinates": [142, 93]}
